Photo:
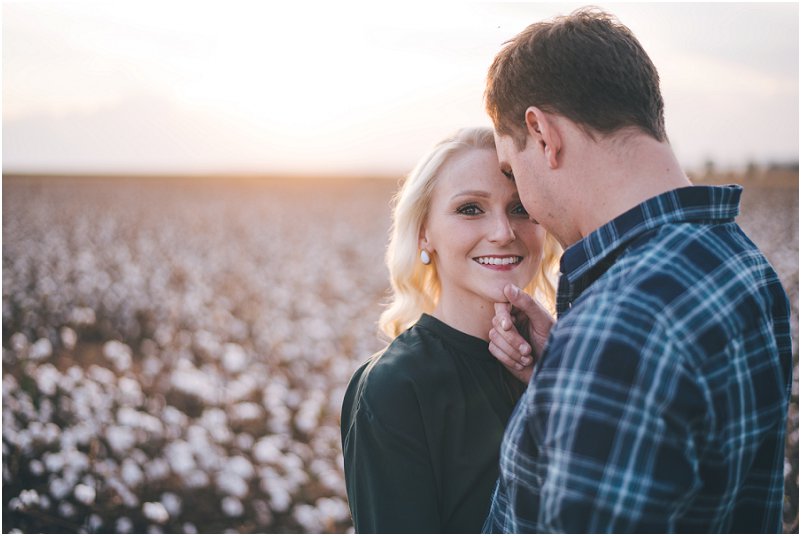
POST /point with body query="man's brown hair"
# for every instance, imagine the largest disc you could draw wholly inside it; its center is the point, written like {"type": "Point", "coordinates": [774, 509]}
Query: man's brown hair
{"type": "Point", "coordinates": [586, 66]}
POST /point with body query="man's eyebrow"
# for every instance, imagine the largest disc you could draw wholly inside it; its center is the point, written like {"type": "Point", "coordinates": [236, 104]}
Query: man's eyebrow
{"type": "Point", "coordinates": [471, 193]}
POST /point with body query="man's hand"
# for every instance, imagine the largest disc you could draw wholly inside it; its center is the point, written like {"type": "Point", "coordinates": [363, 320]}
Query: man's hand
{"type": "Point", "coordinates": [520, 329]}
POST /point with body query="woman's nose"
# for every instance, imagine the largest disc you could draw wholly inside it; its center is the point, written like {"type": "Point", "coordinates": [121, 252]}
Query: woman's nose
{"type": "Point", "coordinates": [502, 231]}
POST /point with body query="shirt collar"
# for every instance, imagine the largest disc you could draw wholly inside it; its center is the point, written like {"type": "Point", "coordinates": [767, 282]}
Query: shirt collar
{"type": "Point", "coordinates": [466, 344]}
{"type": "Point", "coordinates": [699, 204]}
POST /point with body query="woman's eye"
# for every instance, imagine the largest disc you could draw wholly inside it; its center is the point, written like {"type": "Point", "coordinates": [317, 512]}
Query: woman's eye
{"type": "Point", "coordinates": [509, 175]}
{"type": "Point", "coordinates": [470, 209]}
{"type": "Point", "coordinates": [519, 210]}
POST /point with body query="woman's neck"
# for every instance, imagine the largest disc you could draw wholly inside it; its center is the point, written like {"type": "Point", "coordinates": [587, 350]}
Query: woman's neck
{"type": "Point", "coordinates": [473, 317]}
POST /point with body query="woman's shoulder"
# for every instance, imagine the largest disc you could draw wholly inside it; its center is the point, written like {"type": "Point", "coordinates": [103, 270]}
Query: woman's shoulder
{"type": "Point", "coordinates": [397, 375]}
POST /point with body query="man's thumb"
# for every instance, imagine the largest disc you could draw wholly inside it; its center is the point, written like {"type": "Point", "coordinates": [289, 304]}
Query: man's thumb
{"type": "Point", "coordinates": [518, 298]}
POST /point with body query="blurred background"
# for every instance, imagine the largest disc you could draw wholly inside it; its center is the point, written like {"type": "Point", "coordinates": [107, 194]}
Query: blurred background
{"type": "Point", "coordinates": [195, 208]}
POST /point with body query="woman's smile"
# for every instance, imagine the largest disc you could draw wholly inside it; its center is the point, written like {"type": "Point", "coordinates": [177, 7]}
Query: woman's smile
{"type": "Point", "coordinates": [503, 263]}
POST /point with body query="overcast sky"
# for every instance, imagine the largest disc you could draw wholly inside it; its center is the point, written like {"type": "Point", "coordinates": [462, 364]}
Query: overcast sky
{"type": "Point", "coordinates": [345, 87]}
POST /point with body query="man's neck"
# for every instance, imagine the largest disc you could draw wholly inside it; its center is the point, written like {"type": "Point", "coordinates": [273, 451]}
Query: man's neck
{"type": "Point", "coordinates": [625, 173]}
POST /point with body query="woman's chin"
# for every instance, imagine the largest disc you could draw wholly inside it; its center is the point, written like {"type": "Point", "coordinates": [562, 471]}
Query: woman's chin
{"type": "Point", "coordinates": [495, 291]}
{"type": "Point", "coordinates": [496, 295]}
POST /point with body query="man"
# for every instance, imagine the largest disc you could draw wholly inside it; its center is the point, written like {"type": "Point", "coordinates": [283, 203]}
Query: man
{"type": "Point", "coordinates": [659, 400]}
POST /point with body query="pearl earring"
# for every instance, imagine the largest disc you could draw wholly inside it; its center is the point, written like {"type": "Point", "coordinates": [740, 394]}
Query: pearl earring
{"type": "Point", "coordinates": [425, 258]}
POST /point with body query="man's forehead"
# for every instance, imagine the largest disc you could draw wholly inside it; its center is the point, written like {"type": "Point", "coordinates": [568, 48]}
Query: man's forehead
{"type": "Point", "coordinates": [502, 147]}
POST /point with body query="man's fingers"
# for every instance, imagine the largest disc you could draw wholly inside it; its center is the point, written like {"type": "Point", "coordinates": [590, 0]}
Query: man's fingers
{"type": "Point", "coordinates": [539, 320]}
{"type": "Point", "coordinates": [520, 299]}
{"type": "Point", "coordinates": [518, 353]}
{"type": "Point", "coordinates": [503, 317]}
{"type": "Point", "coordinates": [504, 358]}
{"type": "Point", "coordinates": [502, 322]}
{"type": "Point", "coordinates": [513, 339]}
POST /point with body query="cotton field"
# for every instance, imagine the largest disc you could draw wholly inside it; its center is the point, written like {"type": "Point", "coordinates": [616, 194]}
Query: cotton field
{"type": "Point", "coordinates": [175, 352]}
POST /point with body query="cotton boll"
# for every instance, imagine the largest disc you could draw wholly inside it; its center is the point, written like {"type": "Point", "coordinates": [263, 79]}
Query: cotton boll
{"type": "Point", "coordinates": [303, 451]}
{"type": "Point", "coordinates": [121, 439]}
{"type": "Point", "coordinates": [333, 509]}
{"type": "Point", "coordinates": [47, 378]}
{"type": "Point", "coordinates": [232, 484]}
{"type": "Point", "coordinates": [40, 350]}
{"type": "Point", "coordinates": [246, 411]}
{"type": "Point", "coordinates": [213, 420]}
{"type": "Point", "coordinates": [244, 441]}
{"type": "Point", "coordinates": [332, 480]}
{"type": "Point", "coordinates": [19, 342]}
{"type": "Point", "coordinates": [196, 479]}
{"type": "Point", "coordinates": [58, 488]}
{"type": "Point", "coordinates": [54, 461]}
{"type": "Point", "coordinates": [206, 345]}
{"type": "Point", "coordinates": [241, 388]}
{"type": "Point", "coordinates": [172, 503]}
{"type": "Point", "coordinates": [279, 421]}
{"type": "Point", "coordinates": [131, 473]}
{"type": "Point", "coordinates": [130, 392]}
{"type": "Point", "coordinates": [127, 416]}
{"type": "Point", "coordinates": [234, 358]}
{"type": "Point", "coordinates": [123, 525]}
{"type": "Point", "coordinates": [36, 467]}
{"type": "Point", "coordinates": [66, 509]}
{"type": "Point", "coordinates": [192, 381]}
{"type": "Point", "coordinates": [239, 465]}
{"type": "Point", "coordinates": [180, 457]}
{"type": "Point", "coordinates": [29, 497]}
{"type": "Point", "coordinates": [266, 451]}
{"type": "Point", "coordinates": [174, 422]}
{"type": "Point", "coordinates": [308, 518]}
{"type": "Point", "coordinates": [10, 385]}
{"type": "Point", "coordinates": [232, 507]}
{"type": "Point", "coordinates": [189, 528]}
{"type": "Point", "coordinates": [119, 354]}
{"type": "Point", "coordinates": [157, 469]}
{"type": "Point", "coordinates": [46, 415]}
{"type": "Point", "coordinates": [82, 316]}
{"type": "Point", "coordinates": [280, 500]}
{"type": "Point", "coordinates": [101, 375]}
{"type": "Point", "coordinates": [94, 523]}
{"type": "Point", "coordinates": [85, 494]}
{"type": "Point", "coordinates": [68, 337]}
{"type": "Point", "coordinates": [152, 366]}
{"type": "Point", "coordinates": [155, 512]}
{"type": "Point", "coordinates": [293, 398]}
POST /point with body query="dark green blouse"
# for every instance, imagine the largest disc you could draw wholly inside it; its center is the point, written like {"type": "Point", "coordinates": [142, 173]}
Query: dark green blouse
{"type": "Point", "coordinates": [421, 432]}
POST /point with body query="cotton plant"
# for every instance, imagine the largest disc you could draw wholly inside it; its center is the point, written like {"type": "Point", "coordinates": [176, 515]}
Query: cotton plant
{"type": "Point", "coordinates": [142, 372]}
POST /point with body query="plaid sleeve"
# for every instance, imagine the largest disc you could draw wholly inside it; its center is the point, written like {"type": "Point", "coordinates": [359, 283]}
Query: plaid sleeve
{"type": "Point", "coordinates": [605, 437]}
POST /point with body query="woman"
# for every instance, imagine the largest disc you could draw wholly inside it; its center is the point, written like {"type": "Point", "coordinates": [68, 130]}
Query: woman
{"type": "Point", "coordinates": [422, 421]}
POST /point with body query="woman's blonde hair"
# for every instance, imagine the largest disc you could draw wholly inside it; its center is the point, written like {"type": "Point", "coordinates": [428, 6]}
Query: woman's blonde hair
{"type": "Point", "coordinates": [416, 286]}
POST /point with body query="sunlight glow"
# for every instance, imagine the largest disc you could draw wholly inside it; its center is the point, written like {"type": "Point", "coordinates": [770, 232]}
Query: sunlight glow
{"type": "Point", "coordinates": [335, 86]}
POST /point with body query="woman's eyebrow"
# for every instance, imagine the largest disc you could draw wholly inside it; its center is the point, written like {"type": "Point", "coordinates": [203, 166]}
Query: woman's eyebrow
{"type": "Point", "coordinates": [471, 193]}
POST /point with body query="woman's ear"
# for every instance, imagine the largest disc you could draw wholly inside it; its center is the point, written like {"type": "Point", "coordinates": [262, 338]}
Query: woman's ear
{"type": "Point", "coordinates": [422, 241]}
{"type": "Point", "coordinates": [542, 128]}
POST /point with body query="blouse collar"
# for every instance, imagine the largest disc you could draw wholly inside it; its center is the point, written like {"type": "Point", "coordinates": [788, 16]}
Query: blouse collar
{"type": "Point", "coordinates": [467, 344]}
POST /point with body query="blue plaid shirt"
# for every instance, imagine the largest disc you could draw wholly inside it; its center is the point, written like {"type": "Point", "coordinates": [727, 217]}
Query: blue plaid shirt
{"type": "Point", "coordinates": [660, 401]}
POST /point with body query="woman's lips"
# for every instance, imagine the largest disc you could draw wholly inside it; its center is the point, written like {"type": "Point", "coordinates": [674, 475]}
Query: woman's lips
{"type": "Point", "coordinates": [499, 262]}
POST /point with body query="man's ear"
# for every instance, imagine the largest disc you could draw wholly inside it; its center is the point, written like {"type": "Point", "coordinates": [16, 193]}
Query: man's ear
{"type": "Point", "coordinates": [543, 129]}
